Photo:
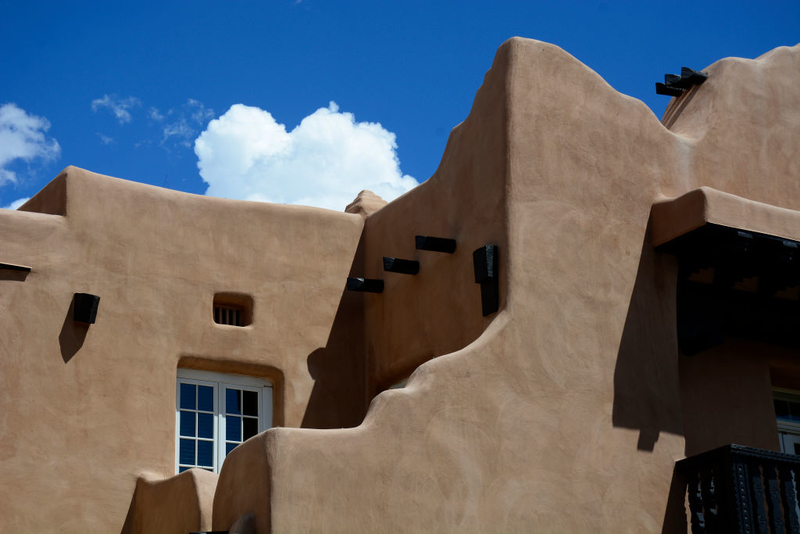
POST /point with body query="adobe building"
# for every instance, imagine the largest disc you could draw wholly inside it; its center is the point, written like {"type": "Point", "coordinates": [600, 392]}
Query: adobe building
{"type": "Point", "coordinates": [621, 299]}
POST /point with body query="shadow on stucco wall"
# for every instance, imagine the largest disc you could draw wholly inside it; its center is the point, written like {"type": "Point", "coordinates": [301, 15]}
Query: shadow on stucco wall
{"type": "Point", "coordinates": [13, 276]}
{"type": "Point", "coordinates": [646, 379]}
{"type": "Point", "coordinates": [675, 520]}
{"type": "Point", "coordinates": [72, 335]}
{"type": "Point", "coordinates": [338, 399]}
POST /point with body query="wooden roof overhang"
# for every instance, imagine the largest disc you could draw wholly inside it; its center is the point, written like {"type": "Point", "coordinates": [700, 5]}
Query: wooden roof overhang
{"type": "Point", "coordinates": [739, 268]}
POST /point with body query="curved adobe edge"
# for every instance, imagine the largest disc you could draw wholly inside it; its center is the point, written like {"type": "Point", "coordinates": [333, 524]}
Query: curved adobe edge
{"type": "Point", "coordinates": [244, 484]}
{"type": "Point", "coordinates": [674, 217]}
{"type": "Point", "coordinates": [742, 128]}
{"type": "Point", "coordinates": [355, 446]}
{"type": "Point", "coordinates": [181, 503]}
{"type": "Point", "coordinates": [365, 204]}
{"type": "Point", "coordinates": [572, 400]}
{"type": "Point", "coordinates": [52, 199]}
{"type": "Point", "coordinates": [437, 312]}
{"type": "Point", "coordinates": [479, 435]}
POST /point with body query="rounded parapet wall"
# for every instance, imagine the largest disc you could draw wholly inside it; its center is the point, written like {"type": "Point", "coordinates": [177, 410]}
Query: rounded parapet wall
{"type": "Point", "coordinates": [182, 503]}
{"type": "Point", "coordinates": [564, 413]}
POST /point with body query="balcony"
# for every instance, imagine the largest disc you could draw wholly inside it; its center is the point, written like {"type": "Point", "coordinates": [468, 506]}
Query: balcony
{"type": "Point", "coordinates": [743, 490]}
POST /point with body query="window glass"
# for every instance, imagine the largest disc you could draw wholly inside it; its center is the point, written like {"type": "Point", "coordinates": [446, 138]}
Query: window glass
{"type": "Point", "coordinates": [187, 396]}
{"type": "Point", "coordinates": [187, 423]}
{"type": "Point", "coordinates": [215, 413]}
{"type": "Point", "coordinates": [205, 453]}
{"type": "Point", "coordinates": [787, 412]}
{"type": "Point", "coordinates": [205, 425]}
{"type": "Point", "coordinates": [234, 428]}
{"type": "Point", "coordinates": [250, 403]}
{"type": "Point", "coordinates": [782, 409]}
{"type": "Point", "coordinates": [187, 451]}
{"type": "Point", "coordinates": [249, 427]}
{"type": "Point", "coordinates": [205, 398]}
{"type": "Point", "coordinates": [232, 401]}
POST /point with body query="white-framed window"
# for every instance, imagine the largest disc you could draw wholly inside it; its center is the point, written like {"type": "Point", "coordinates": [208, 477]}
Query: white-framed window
{"type": "Point", "coordinates": [214, 413]}
{"type": "Point", "coordinates": [787, 411]}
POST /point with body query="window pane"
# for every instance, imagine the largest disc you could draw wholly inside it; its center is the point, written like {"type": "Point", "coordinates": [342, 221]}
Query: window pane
{"type": "Point", "coordinates": [205, 398]}
{"type": "Point", "coordinates": [233, 428]}
{"type": "Point", "coordinates": [187, 452]}
{"type": "Point", "coordinates": [782, 409]}
{"type": "Point", "coordinates": [205, 453]}
{"type": "Point", "coordinates": [250, 403]}
{"type": "Point", "coordinates": [250, 427]}
{"type": "Point", "coordinates": [229, 447]}
{"type": "Point", "coordinates": [232, 401]}
{"type": "Point", "coordinates": [187, 424]}
{"type": "Point", "coordinates": [182, 469]}
{"type": "Point", "coordinates": [187, 396]}
{"type": "Point", "coordinates": [205, 425]}
{"type": "Point", "coordinates": [794, 411]}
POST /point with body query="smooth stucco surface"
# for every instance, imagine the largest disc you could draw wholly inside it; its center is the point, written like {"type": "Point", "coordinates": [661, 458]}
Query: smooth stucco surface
{"type": "Point", "coordinates": [182, 503]}
{"type": "Point", "coordinates": [565, 414]}
{"type": "Point", "coordinates": [672, 218]}
{"type": "Point", "coordinates": [85, 410]}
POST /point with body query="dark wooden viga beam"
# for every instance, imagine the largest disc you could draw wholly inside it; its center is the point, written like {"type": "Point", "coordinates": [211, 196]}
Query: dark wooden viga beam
{"type": "Point", "coordinates": [84, 309]}
{"type": "Point", "coordinates": [13, 267]}
{"type": "Point", "coordinates": [435, 244]}
{"type": "Point", "coordinates": [364, 285]}
{"type": "Point", "coordinates": [675, 85]}
{"type": "Point", "coordinates": [484, 262]}
{"type": "Point", "coordinates": [397, 265]}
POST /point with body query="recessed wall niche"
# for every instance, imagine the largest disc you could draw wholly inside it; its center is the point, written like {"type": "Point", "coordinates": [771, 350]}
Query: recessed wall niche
{"type": "Point", "coordinates": [233, 309]}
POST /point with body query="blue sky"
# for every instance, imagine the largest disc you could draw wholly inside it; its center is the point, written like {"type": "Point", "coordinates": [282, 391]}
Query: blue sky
{"type": "Point", "coordinates": [126, 89]}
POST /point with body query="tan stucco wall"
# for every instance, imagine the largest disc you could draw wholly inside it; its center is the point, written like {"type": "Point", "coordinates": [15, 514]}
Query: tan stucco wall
{"type": "Point", "coordinates": [182, 503]}
{"type": "Point", "coordinates": [84, 411]}
{"type": "Point", "coordinates": [565, 413]}
{"type": "Point", "coordinates": [438, 310]}
{"type": "Point", "coordinates": [727, 397]}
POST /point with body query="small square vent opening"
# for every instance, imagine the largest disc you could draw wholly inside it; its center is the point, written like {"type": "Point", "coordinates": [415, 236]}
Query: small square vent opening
{"type": "Point", "coordinates": [233, 309]}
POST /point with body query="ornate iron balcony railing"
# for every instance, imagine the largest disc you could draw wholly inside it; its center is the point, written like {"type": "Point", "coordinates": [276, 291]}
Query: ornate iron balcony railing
{"type": "Point", "coordinates": [737, 489]}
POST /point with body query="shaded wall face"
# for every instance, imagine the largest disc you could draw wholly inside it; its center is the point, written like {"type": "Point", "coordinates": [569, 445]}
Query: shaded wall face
{"type": "Point", "coordinates": [744, 137]}
{"type": "Point", "coordinates": [572, 397]}
{"type": "Point", "coordinates": [516, 427]}
{"type": "Point", "coordinates": [85, 409]}
{"type": "Point", "coordinates": [726, 397]}
{"type": "Point", "coordinates": [438, 311]}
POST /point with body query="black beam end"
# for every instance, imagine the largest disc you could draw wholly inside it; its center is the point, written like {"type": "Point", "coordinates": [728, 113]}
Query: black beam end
{"type": "Point", "coordinates": [663, 89]}
{"type": "Point", "coordinates": [484, 263]}
{"type": "Point", "coordinates": [84, 308]}
{"type": "Point", "coordinates": [435, 244]}
{"type": "Point", "coordinates": [397, 265]}
{"type": "Point", "coordinates": [692, 77]}
{"type": "Point", "coordinates": [364, 285]}
{"type": "Point", "coordinates": [13, 267]}
{"type": "Point", "coordinates": [675, 85]}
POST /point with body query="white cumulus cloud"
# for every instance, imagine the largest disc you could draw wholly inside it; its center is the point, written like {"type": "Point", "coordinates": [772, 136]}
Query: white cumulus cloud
{"type": "Point", "coordinates": [119, 107]}
{"type": "Point", "coordinates": [17, 203]}
{"type": "Point", "coordinates": [325, 161]}
{"type": "Point", "coordinates": [22, 136]}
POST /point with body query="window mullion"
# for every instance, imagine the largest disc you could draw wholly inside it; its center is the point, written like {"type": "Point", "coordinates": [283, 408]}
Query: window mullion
{"type": "Point", "coordinates": [220, 420]}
